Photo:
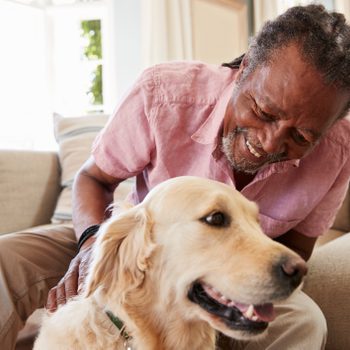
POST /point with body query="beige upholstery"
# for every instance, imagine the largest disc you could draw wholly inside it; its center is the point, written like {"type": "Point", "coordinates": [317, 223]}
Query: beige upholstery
{"type": "Point", "coordinates": [35, 187]}
{"type": "Point", "coordinates": [342, 221]}
{"type": "Point", "coordinates": [29, 188]}
{"type": "Point", "coordinates": [328, 283]}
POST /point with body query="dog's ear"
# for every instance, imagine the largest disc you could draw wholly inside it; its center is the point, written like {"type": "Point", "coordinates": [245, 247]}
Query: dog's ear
{"type": "Point", "coordinates": [122, 252]}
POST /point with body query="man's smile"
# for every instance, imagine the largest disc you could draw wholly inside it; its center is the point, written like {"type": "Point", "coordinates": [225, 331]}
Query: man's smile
{"type": "Point", "coordinates": [244, 155]}
{"type": "Point", "coordinates": [252, 150]}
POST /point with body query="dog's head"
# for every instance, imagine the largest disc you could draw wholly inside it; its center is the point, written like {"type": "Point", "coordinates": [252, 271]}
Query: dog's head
{"type": "Point", "coordinates": [197, 244]}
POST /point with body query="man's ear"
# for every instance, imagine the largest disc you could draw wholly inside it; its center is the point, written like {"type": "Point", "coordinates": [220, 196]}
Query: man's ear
{"type": "Point", "coordinates": [242, 66]}
{"type": "Point", "coordinates": [121, 252]}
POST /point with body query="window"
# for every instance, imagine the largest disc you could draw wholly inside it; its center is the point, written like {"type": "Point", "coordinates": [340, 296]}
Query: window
{"type": "Point", "coordinates": [92, 59]}
{"type": "Point", "coordinates": [24, 79]}
{"type": "Point", "coordinates": [79, 63]}
{"type": "Point", "coordinates": [48, 63]}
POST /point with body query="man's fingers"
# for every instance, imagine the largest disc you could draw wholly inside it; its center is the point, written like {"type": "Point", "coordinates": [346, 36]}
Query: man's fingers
{"type": "Point", "coordinates": [51, 304]}
{"type": "Point", "coordinates": [60, 294]}
{"type": "Point", "coordinates": [81, 282]}
{"type": "Point", "coordinates": [66, 288]}
{"type": "Point", "coordinates": [68, 285]}
{"type": "Point", "coordinates": [83, 270]}
{"type": "Point", "coordinates": [71, 284]}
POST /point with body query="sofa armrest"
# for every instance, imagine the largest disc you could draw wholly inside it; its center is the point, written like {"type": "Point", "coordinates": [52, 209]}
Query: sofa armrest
{"type": "Point", "coordinates": [328, 284]}
{"type": "Point", "coordinates": [342, 220]}
{"type": "Point", "coordinates": [29, 187]}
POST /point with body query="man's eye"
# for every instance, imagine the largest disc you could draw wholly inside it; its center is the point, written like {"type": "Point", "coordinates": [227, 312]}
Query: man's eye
{"type": "Point", "coordinates": [216, 219]}
{"type": "Point", "coordinates": [300, 139]}
{"type": "Point", "coordinates": [263, 116]}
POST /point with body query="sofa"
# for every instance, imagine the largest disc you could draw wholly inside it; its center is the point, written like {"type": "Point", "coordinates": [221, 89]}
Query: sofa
{"type": "Point", "coordinates": [35, 190]}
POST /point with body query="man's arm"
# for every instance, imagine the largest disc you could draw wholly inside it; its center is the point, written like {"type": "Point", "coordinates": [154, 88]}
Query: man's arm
{"type": "Point", "coordinates": [92, 193]}
{"type": "Point", "coordinates": [298, 242]}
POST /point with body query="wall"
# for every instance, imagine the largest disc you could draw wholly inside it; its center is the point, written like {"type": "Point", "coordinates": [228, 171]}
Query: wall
{"type": "Point", "coordinates": [126, 43]}
{"type": "Point", "coordinates": [23, 71]}
{"type": "Point", "coordinates": [219, 29]}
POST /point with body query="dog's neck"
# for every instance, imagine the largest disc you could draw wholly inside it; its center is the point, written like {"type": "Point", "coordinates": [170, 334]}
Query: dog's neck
{"type": "Point", "coordinates": [137, 289]}
{"type": "Point", "coordinates": [162, 327]}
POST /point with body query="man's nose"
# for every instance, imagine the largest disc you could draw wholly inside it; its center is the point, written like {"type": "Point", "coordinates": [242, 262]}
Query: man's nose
{"type": "Point", "coordinates": [273, 139]}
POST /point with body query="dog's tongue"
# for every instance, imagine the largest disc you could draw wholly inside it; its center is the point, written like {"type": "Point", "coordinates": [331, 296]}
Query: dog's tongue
{"type": "Point", "coordinates": [265, 312]}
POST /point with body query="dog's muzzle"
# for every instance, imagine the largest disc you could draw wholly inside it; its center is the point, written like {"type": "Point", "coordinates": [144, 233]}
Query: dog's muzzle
{"type": "Point", "coordinates": [252, 319]}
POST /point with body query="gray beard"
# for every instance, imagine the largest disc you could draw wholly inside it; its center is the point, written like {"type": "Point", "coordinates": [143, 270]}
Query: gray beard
{"type": "Point", "coordinates": [244, 165]}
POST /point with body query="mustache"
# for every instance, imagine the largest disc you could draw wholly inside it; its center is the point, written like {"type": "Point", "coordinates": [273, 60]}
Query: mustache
{"type": "Point", "coordinates": [269, 157]}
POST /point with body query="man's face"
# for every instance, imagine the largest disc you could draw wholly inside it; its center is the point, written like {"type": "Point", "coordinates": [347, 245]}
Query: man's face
{"type": "Point", "coordinates": [278, 112]}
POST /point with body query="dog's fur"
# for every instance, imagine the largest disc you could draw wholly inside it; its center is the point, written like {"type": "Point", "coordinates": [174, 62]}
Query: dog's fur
{"type": "Point", "coordinates": [147, 258]}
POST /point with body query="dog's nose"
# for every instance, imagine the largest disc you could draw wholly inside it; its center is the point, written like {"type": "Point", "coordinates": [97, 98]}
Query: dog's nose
{"type": "Point", "coordinates": [294, 267]}
{"type": "Point", "coordinates": [292, 270]}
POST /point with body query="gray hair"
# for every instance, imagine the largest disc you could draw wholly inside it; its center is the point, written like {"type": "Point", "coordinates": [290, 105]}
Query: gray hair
{"type": "Point", "coordinates": [323, 38]}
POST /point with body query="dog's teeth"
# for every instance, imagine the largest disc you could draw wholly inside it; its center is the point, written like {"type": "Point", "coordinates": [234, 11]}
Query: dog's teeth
{"type": "Point", "coordinates": [249, 313]}
{"type": "Point", "coordinates": [231, 304]}
{"type": "Point", "coordinates": [207, 286]}
{"type": "Point", "coordinates": [223, 298]}
{"type": "Point", "coordinates": [255, 318]}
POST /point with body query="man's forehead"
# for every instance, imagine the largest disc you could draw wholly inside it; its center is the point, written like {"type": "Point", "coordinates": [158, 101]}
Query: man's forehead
{"type": "Point", "coordinates": [264, 101]}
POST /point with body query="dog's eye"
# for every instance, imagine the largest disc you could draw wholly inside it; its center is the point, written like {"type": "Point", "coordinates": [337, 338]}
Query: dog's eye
{"type": "Point", "coordinates": [216, 219]}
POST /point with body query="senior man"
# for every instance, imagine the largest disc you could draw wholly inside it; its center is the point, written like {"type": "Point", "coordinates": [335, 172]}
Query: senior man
{"type": "Point", "coordinates": [269, 123]}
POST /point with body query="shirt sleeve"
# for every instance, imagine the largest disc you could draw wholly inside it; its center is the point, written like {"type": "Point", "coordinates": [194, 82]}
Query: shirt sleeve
{"type": "Point", "coordinates": [124, 147]}
{"type": "Point", "coordinates": [323, 215]}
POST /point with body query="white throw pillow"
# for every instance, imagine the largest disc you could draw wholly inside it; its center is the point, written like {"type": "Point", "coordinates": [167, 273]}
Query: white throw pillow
{"type": "Point", "coordinates": [75, 136]}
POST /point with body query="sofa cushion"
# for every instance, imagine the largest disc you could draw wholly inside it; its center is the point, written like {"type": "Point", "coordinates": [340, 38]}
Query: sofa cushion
{"type": "Point", "coordinates": [329, 236]}
{"type": "Point", "coordinates": [328, 284]}
{"type": "Point", "coordinates": [75, 136]}
{"type": "Point", "coordinates": [29, 186]}
{"type": "Point", "coordinates": [342, 220]}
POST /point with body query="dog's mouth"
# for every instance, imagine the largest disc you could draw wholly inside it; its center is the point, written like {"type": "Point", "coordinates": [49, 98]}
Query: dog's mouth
{"type": "Point", "coordinates": [237, 316]}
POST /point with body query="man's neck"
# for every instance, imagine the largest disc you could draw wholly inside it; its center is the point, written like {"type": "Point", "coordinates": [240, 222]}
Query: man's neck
{"type": "Point", "coordinates": [242, 179]}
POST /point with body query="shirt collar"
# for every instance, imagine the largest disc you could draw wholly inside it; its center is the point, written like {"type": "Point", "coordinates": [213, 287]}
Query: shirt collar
{"type": "Point", "coordinates": [280, 167]}
{"type": "Point", "coordinates": [208, 132]}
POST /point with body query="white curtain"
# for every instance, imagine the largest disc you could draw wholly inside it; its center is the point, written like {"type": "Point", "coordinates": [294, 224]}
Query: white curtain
{"type": "Point", "coordinates": [269, 9]}
{"type": "Point", "coordinates": [263, 11]}
{"type": "Point", "coordinates": [24, 71]}
{"type": "Point", "coordinates": [343, 6]}
{"type": "Point", "coordinates": [166, 33]}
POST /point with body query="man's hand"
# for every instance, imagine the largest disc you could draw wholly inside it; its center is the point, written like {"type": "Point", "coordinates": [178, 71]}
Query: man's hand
{"type": "Point", "coordinates": [92, 194]}
{"type": "Point", "coordinates": [72, 282]}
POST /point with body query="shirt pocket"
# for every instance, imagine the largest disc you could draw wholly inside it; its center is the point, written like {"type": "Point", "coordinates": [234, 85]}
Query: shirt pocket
{"type": "Point", "coordinates": [275, 227]}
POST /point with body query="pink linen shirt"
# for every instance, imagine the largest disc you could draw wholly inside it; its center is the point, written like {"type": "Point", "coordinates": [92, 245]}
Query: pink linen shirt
{"type": "Point", "coordinates": [169, 124]}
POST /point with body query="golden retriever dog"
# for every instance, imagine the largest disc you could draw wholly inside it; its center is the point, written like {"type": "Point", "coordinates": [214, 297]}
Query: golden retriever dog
{"type": "Point", "coordinates": [188, 261]}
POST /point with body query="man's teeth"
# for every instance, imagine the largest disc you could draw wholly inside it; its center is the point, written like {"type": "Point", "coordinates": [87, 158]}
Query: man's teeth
{"type": "Point", "coordinates": [252, 150]}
